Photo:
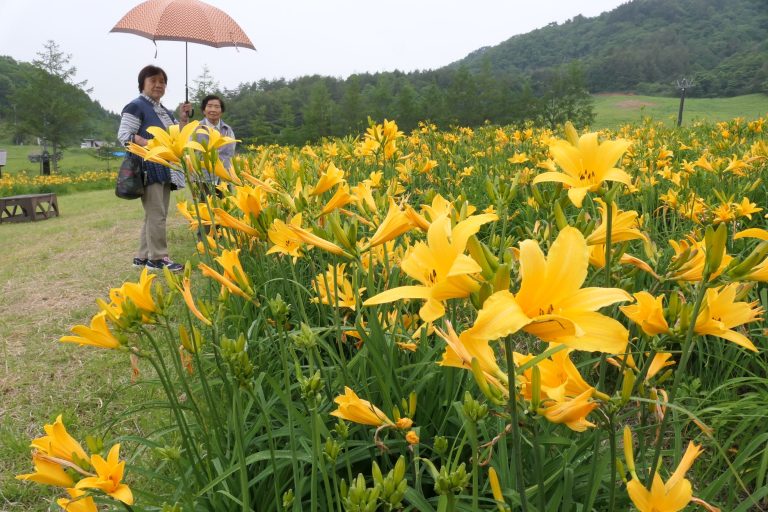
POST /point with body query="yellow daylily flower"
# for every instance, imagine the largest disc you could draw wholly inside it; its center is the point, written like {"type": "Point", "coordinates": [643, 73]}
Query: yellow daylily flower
{"type": "Point", "coordinates": [334, 289]}
{"type": "Point", "coordinates": [624, 226]}
{"type": "Point", "coordinates": [213, 138]}
{"type": "Point", "coordinates": [572, 412]}
{"type": "Point", "coordinates": [140, 293]}
{"type": "Point", "coordinates": [439, 206]}
{"type": "Point", "coordinates": [224, 281]}
{"type": "Point", "coordinates": [310, 239]}
{"type": "Point", "coordinates": [191, 214]}
{"type": "Point", "coordinates": [364, 196]}
{"type": "Point", "coordinates": [341, 198]}
{"type": "Point", "coordinates": [672, 496]}
{"type": "Point", "coordinates": [109, 475]}
{"type": "Point", "coordinates": [47, 472]}
{"type": "Point", "coordinates": [551, 303]}
{"type": "Point", "coordinates": [440, 265]}
{"type": "Point", "coordinates": [225, 219]}
{"type": "Point", "coordinates": [660, 361]}
{"type": "Point", "coordinates": [186, 292]}
{"type": "Point", "coordinates": [59, 444]}
{"type": "Point", "coordinates": [250, 200]}
{"type": "Point", "coordinates": [695, 253]}
{"type": "Point", "coordinates": [80, 502]}
{"type": "Point", "coordinates": [97, 335]}
{"type": "Point", "coordinates": [285, 240]}
{"type": "Point", "coordinates": [648, 313]}
{"type": "Point", "coordinates": [329, 179]}
{"type": "Point", "coordinates": [461, 350]}
{"type": "Point", "coordinates": [233, 269]}
{"type": "Point", "coordinates": [147, 155]}
{"type": "Point", "coordinates": [720, 314]}
{"type": "Point", "coordinates": [355, 409]}
{"type": "Point", "coordinates": [227, 174]}
{"type": "Point", "coordinates": [760, 234]}
{"type": "Point", "coordinates": [170, 145]}
{"type": "Point", "coordinates": [585, 164]}
{"type": "Point", "coordinates": [394, 224]}
{"type": "Point", "coordinates": [597, 260]}
{"type": "Point", "coordinates": [559, 377]}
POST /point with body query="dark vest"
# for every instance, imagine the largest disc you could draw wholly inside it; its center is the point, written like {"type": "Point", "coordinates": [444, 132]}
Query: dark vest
{"type": "Point", "coordinates": [144, 110]}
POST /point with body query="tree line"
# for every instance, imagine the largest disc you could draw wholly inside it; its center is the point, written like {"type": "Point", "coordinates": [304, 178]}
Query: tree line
{"type": "Point", "coordinates": [308, 108]}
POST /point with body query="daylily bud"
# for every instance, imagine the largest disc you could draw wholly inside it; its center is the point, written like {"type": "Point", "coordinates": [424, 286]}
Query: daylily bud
{"type": "Point", "coordinates": [560, 219]}
{"type": "Point", "coordinates": [714, 242]}
{"type": "Point", "coordinates": [440, 445]}
{"type": "Point", "coordinates": [535, 388]}
{"type": "Point", "coordinates": [491, 191]}
{"type": "Point", "coordinates": [746, 265]}
{"type": "Point", "coordinates": [478, 254]}
{"type": "Point", "coordinates": [627, 384]}
{"type": "Point", "coordinates": [288, 497]}
{"type": "Point", "coordinates": [501, 279]}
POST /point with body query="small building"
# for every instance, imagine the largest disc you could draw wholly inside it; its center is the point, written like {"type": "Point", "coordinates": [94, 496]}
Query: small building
{"type": "Point", "coordinates": [92, 144]}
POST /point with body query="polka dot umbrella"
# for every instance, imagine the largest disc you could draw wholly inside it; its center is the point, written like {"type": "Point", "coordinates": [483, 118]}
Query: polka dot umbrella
{"type": "Point", "coordinates": [191, 21]}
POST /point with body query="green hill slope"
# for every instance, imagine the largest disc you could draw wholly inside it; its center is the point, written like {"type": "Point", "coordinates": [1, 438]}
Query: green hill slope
{"type": "Point", "coordinates": [645, 45]}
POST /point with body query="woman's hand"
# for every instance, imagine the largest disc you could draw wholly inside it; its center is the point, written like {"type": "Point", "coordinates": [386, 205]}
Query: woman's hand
{"type": "Point", "coordinates": [185, 112]}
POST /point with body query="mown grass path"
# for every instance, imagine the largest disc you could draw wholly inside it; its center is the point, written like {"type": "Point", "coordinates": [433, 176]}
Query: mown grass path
{"type": "Point", "coordinates": [51, 273]}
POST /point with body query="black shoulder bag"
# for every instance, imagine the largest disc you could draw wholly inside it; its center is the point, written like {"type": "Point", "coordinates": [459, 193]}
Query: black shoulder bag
{"type": "Point", "coordinates": [130, 178]}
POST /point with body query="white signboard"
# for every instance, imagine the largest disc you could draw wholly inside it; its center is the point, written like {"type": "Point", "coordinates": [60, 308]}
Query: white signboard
{"type": "Point", "coordinates": [3, 156]}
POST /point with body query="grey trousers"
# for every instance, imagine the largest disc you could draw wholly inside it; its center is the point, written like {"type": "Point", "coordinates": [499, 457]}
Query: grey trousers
{"type": "Point", "coordinates": [153, 243]}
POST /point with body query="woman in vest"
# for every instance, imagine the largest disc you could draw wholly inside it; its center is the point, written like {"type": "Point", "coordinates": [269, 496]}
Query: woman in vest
{"type": "Point", "coordinates": [137, 116]}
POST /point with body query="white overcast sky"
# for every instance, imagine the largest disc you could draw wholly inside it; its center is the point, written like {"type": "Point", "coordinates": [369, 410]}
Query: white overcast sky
{"type": "Point", "coordinates": [293, 38]}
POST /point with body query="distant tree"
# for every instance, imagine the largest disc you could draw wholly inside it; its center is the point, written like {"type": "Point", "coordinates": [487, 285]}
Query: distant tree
{"type": "Point", "coordinates": [318, 112]}
{"type": "Point", "coordinates": [352, 116]}
{"type": "Point", "coordinates": [562, 97]}
{"type": "Point", "coordinates": [202, 86]}
{"type": "Point", "coordinates": [55, 62]}
{"type": "Point", "coordinates": [55, 107]}
{"type": "Point", "coordinates": [462, 99]}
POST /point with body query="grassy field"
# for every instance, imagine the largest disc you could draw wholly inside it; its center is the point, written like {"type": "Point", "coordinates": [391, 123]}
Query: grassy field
{"type": "Point", "coordinates": [52, 272]}
{"type": "Point", "coordinates": [74, 160]}
{"type": "Point", "coordinates": [613, 110]}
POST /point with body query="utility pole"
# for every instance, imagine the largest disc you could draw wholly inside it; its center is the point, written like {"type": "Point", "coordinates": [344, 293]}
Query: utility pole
{"type": "Point", "coordinates": [682, 85]}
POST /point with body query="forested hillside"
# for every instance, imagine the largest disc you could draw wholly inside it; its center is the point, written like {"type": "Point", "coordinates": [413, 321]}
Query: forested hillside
{"type": "Point", "coordinates": [645, 45]}
{"type": "Point", "coordinates": [17, 80]}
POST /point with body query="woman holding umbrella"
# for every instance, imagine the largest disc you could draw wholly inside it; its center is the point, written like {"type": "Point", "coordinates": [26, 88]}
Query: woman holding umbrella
{"type": "Point", "coordinates": [138, 115]}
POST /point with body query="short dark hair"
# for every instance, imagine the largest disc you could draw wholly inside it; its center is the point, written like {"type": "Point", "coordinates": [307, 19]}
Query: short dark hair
{"type": "Point", "coordinates": [148, 71]}
{"type": "Point", "coordinates": [209, 98]}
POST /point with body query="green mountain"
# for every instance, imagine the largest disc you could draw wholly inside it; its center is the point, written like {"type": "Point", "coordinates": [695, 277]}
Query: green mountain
{"type": "Point", "coordinates": [645, 46]}
{"type": "Point", "coordinates": [96, 122]}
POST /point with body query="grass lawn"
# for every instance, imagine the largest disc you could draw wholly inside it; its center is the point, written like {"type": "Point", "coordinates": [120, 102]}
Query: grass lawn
{"type": "Point", "coordinates": [52, 271]}
{"type": "Point", "coordinates": [613, 110]}
{"type": "Point", "coordinates": [74, 159]}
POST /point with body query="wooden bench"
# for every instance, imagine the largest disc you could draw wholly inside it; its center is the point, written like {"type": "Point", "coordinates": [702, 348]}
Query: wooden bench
{"type": "Point", "coordinates": [28, 207]}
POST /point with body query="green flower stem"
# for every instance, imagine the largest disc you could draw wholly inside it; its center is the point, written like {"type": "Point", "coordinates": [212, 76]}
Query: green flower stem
{"type": "Point", "coordinates": [283, 345]}
{"type": "Point", "coordinates": [608, 229]}
{"type": "Point", "coordinates": [539, 469]}
{"type": "Point", "coordinates": [238, 420]}
{"type": "Point", "coordinates": [516, 441]}
{"type": "Point", "coordinates": [186, 436]}
{"type": "Point", "coordinates": [612, 447]}
{"type": "Point", "coordinates": [472, 433]}
{"type": "Point", "coordinates": [685, 355]}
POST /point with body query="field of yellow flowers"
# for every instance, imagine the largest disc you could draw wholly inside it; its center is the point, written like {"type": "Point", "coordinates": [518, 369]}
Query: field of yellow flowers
{"type": "Point", "coordinates": [505, 318]}
{"type": "Point", "coordinates": [22, 183]}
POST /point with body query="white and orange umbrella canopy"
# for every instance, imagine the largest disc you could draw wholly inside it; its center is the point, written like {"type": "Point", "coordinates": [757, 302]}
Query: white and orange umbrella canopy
{"type": "Point", "coordinates": [190, 21]}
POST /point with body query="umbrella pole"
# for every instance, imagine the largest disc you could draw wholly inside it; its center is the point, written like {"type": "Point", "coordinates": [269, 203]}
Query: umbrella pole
{"type": "Point", "coordinates": [186, 72]}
